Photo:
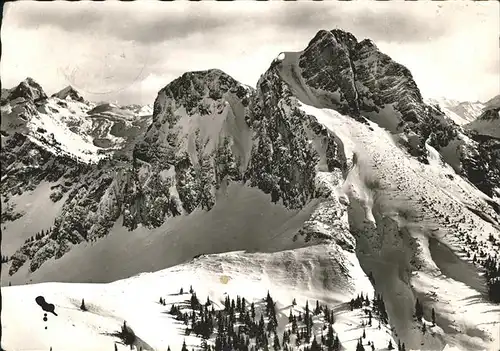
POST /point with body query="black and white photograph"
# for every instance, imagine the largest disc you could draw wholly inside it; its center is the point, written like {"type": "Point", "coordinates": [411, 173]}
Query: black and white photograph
{"type": "Point", "coordinates": [250, 175]}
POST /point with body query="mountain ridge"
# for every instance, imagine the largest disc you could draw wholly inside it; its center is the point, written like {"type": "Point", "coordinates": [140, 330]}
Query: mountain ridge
{"type": "Point", "coordinates": [303, 144]}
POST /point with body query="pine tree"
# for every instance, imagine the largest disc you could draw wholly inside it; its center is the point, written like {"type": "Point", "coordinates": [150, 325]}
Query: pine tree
{"type": "Point", "coordinates": [403, 348]}
{"type": "Point", "coordinates": [306, 320]}
{"type": "Point", "coordinates": [116, 347]}
{"type": "Point", "coordinates": [359, 346]}
{"type": "Point", "coordinates": [294, 303]}
{"type": "Point", "coordinates": [390, 347]}
{"type": "Point", "coordinates": [336, 343]}
{"type": "Point", "coordinates": [184, 347]}
{"type": "Point", "coordinates": [181, 291]}
{"type": "Point", "coordinates": [371, 278]}
{"type": "Point", "coordinates": [433, 317]}
{"type": "Point", "coordinates": [82, 306]}
{"type": "Point", "coordinates": [276, 344]}
{"type": "Point", "coordinates": [419, 312]}
{"type": "Point", "coordinates": [330, 340]}
{"type": "Point", "coordinates": [315, 346]}
{"type": "Point", "coordinates": [424, 328]}
{"type": "Point", "coordinates": [364, 334]}
{"type": "Point", "coordinates": [294, 325]}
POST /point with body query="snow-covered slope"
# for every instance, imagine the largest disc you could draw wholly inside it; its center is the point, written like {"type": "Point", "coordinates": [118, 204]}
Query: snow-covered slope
{"type": "Point", "coordinates": [302, 275]}
{"type": "Point", "coordinates": [58, 125]}
{"type": "Point", "coordinates": [400, 201]}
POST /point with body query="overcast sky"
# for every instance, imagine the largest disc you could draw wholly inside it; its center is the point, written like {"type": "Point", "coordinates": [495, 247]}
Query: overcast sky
{"type": "Point", "coordinates": [128, 51]}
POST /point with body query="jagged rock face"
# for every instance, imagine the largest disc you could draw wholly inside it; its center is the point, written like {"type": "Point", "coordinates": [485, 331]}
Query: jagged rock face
{"type": "Point", "coordinates": [363, 78]}
{"type": "Point", "coordinates": [326, 65]}
{"type": "Point", "coordinates": [490, 114]}
{"type": "Point", "coordinates": [481, 158]}
{"type": "Point", "coordinates": [19, 105]}
{"type": "Point", "coordinates": [482, 166]}
{"type": "Point", "coordinates": [356, 78]}
{"type": "Point", "coordinates": [207, 130]}
{"type": "Point", "coordinates": [283, 161]}
{"type": "Point", "coordinates": [24, 165]}
{"type": "Point", "coordinates": [493, 103]}
{"type": "Point", "coordinates": [28, 89]}
{"type": "Point", "coordinates": [191, 149]}
{"type": "Point", "coordinates": [198, 139]}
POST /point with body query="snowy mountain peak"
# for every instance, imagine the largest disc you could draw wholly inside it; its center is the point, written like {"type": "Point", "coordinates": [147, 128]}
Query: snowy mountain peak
{"type": "Point", "coordinates": [460, 112]}
{"type": "Point", "coordinates": [357, 76]}
{"type": "Point", "coordinates": [69, 93]}
{"type": "Point", "coordinates": [28, 89]}
{"type": "Point", "coordinates": [193, 88]}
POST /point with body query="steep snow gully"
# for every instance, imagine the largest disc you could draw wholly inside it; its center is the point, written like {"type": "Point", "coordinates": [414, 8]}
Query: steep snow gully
{"type": "Point", "coordinates": [393, 232]}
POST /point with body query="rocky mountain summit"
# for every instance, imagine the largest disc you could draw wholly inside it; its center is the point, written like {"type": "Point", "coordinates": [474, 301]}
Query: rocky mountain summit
{"type": "Point", "coordinates": [335, 142]}
{"type": "Point", "coordinates": [28, 89]}
{"type": "Point", "coordinates": [69, 93]}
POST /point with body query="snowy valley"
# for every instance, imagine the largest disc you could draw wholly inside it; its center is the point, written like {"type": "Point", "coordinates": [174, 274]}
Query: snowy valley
{"type": "Point", "coordinates": [332, 185]}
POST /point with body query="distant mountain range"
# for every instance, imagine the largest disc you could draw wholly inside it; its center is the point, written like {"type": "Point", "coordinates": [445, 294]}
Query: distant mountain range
{"type": "Point", "coordinates": [463, 112]}
{"type": "Point", "coordinates": [67, 124]}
